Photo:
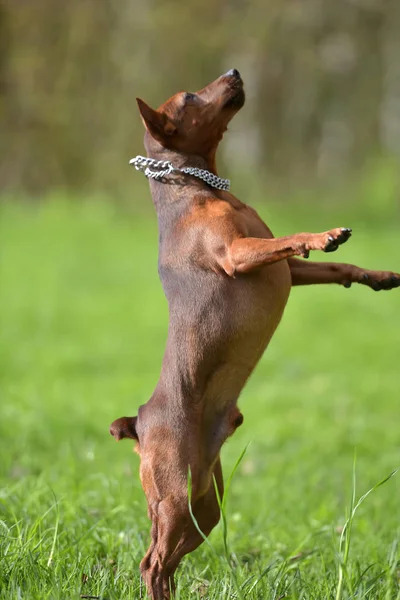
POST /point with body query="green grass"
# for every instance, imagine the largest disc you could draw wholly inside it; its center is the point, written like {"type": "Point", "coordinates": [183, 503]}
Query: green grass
{"type": "Point", "coordinates": [83, 324]}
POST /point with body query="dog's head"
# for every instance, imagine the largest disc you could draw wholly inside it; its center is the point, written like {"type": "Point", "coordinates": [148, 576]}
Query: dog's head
{"type": "Point", "coordinates": [194, 123]}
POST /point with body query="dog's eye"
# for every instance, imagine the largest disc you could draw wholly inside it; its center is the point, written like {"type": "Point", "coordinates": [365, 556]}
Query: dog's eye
{"type": "Point", "coordinates": [189, 97]}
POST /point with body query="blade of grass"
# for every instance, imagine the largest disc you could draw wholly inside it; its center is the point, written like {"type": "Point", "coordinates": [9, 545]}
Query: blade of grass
{"type": "Point", "coordinates": [345, 538]}
{"type": "Point", "coordinates": [232, 474]}
{"type": "Point", "coordinates": [222, 507]}
{"type": "Point", "coordinates": [195, 523]}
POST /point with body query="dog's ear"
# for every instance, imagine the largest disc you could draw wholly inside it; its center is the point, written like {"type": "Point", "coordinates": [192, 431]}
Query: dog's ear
{"type": "Point", "coordinates": [125, 427]}
{"type": "Point", "coordinates": [157, 123]}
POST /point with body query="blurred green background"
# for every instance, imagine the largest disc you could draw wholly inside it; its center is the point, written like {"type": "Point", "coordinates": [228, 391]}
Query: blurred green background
{"type": "Point", "coordinates": [83, 320]}
{"type": "Point", "coordinates": [322, 80]}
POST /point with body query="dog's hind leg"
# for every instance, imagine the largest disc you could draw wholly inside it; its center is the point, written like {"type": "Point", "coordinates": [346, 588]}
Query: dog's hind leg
{"type": "Point", "coordinates": [207, 514]}
{"type": "Point", "coordinates": [174, 535]}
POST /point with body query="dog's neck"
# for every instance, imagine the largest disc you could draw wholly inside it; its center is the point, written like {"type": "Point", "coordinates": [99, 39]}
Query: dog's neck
{"type": "Point", "coordinates": [180, 160]}
{"type": "Point", "coordinates": [177, 191]}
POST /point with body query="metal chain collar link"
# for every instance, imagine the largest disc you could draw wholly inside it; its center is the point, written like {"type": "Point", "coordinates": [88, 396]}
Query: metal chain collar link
{"type": "Point", "coordinates": [158, 169]}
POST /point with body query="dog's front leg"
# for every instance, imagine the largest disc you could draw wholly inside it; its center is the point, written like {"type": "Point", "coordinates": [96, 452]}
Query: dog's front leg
{"type": "Point", "coordinates": [247, 254]}
{"type": "Point", "coordinates": [309, 273]}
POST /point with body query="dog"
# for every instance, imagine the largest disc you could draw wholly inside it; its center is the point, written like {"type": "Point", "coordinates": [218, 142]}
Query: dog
{"type": "Point", "coordinates": [227, 281]}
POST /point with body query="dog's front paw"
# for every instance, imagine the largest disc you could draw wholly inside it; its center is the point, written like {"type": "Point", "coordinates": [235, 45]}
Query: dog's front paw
{"type": "Point", "coordinates": [329, 241]}
{"type": "Point", "coordinates": [336, 237]}
{"type": "Point", "coordinates": [380, 280]}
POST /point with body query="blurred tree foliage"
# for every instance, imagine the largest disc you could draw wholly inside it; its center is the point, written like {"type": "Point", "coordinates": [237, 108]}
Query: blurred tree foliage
{"type": "Point", "coordinates": [322, 79]}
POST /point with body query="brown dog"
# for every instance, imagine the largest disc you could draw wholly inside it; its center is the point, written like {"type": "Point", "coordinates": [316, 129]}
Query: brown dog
{"type": "Point", "coordinates": [227, 281]}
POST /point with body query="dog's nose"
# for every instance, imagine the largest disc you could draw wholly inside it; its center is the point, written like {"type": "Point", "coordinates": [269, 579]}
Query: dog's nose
{"type": "Point", "coordinates": [233, 73]}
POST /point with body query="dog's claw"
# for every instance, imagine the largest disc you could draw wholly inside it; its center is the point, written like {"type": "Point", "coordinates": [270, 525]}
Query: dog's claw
{"type": "Point", "coordinates": [347, 284]}
{"type": "Point", "coordinates": [389, 283]}
{"type": "Point", "coordinates": [334, 243]}
{"type": "Point", "coordinates": [395, 281]}
{"type": "Point", "coordinates": [344, 236]}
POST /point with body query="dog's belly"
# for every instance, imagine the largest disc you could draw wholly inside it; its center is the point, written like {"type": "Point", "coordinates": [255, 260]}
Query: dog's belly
{"type": "Point", "coordinates": [220, 326]}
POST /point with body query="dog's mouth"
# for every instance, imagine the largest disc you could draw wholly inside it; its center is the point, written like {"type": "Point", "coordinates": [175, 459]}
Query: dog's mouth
{"type": "Point", "coordinates": [235, 91]}
{"type": "Point", "coordinates": [236, 98]}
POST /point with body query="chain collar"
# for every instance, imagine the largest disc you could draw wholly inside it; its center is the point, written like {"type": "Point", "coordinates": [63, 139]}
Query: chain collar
{"type": "Point", "coordinates": [158, 169]}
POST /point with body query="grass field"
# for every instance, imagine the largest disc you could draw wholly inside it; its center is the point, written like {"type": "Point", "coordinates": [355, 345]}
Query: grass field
{"type": "Point", "coordinates": [83, 324]}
